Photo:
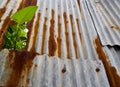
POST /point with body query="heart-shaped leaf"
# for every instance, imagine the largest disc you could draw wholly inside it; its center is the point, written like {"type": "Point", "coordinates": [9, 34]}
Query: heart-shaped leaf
{"type": "Point", "coordinates": [24, 15]}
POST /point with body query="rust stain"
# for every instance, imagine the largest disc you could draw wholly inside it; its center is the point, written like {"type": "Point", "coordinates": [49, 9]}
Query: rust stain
{"type": "Point", "coordinates": [115, 27]}
{"type": "Point", "coordinates": [35, 65]}
{"type": "Point", "coordinates": [29, 27]}
{"type": "Point", "coordinates": [64, 70]}
{"type": "Point", "coordinates": [30, 2]}
{"type": "Point", "coordinates": [66, 34]}
{"type": "Point", "coordinates": [22, 4]}
{"type": "Point", "coordinates": [59, 38]}
{"type": "Point", "coordinates": [23, 61]}
{"type": "Point", "coordinates": [44, 35]}
{"type": "Point", "coordinates": [113, 77]}
{"type": "Point", "coordinates": [97, 69]}
{"type": "Point", "coordinates": [37, 25]}
{"type": "Point", "coordinates": [79, 4]}
{"type": "Point", "coordinates": [7, 2]}
{"type": "Point", "coordinates": [26, 3]}
{"type": "Point", "coordinates": [77, 20]}
{"type": "Point", "coordinates": [27, 81]}
{"type": "Point", "coordinates": [52, 43]}
{"type": "Point", "coordinates": [2, 11]}
{"type": "Point", "coordinates": [74, 39]}
{"type": "Point", "coordinates": [4, 29]}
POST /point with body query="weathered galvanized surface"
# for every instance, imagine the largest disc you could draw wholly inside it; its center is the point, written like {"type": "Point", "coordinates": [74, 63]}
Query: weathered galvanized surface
{"type": "Point", "coordinates": [66, 46]}
{"type": "Point", "coordinates": [105, 15]}
{"type": "Point", "coordinates": [54, 72]}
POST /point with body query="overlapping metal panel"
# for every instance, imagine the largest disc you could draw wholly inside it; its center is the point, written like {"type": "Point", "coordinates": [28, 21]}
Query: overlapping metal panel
{"type": "Point", "coordinates": [63, 47]}
{"type": "Point", "coordinates": [114, 56]}
{"type": "Point", "coordinates": [105, 15]}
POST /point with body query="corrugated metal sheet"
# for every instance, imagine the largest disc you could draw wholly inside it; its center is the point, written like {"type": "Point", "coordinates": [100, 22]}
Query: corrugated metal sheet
{"type": "Point", "coordinates": [55, 72]}
{"type": "Point", "coordinates": [63, 47]}
{"type": "Point", "coordinates": [105, 14]}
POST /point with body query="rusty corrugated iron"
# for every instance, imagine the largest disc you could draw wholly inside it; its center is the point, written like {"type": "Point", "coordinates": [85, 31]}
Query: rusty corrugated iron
{"type": "Point", "coordinates": [64, 48]}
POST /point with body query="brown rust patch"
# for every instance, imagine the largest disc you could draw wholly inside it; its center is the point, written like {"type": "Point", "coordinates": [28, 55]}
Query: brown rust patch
{"type": "Point", "coordinates": [44, 35]}
{"type": "Point", "coordinates": [27, 82]}
{"type": "Point", "coordinates": [79, 5]}
{"type": "Point", "coordinates": [22, 63]}
{"type": "Point", "coordinates": [66, 34]}
{"type": "Point", "coordinates": [29, 2]}
{"type": "Point", "coordinates": [115, 27]}
{"type": "Point", "coordinates": [97, 69]}
{"type": "Point", "coordinates": [52, 43]}
{"type": "Point", "coordinates": [29, 27]}
{"type": "Point", "coordinates": [112, 75]}
{"type": "Point", "coordinates": [80, 36]}
{"type": "Point", "coordinates": [7, 2]}
{"type": "Point", "coordinates": [73, 35]}
{"type": "Point", "coordinates": [64, 70]}
{"type": "Point", "coordinates": [35, 65]}
{"type": "Point", "coordinates": [35, 29]}
{"type": "Point", "coordinates": [59, 38]}
{"type": "Point", "coordinates": [2, 11]}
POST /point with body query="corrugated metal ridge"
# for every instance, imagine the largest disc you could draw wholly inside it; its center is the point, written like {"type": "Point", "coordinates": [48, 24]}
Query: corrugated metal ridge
{"type": "Point", "coordinates": [105, 14]}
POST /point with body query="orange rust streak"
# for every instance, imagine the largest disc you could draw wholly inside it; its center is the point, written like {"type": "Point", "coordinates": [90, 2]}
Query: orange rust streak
{"type": "Point", "coordinates": [74, 39]}
{"type": "Point", "coordinates": [26, 3]}
{"type": "Point", "coordinates": [37, 25]}
{"type": "Point", "coordinates": [4, 29]}
{"type": "Point", "coordinates": [44, 34]}
{"type": "Point", "coordinates": [59, 38]}
{"type": "Point", "coordinates": [79, 4]}
{"type": "Point", "coordinates": [66, 33]}
{"type": "Point", "coordinates": [7, 2]}
{"type": "Point", "coordinates": [22, 4]}
{"type": "Point", "coordinates": [52, 43]}
{"type": "Point", "coordinates": [115, 27]}
{"type": "Point", "coordinates": [23, 61]}
{"type": "Point", "coordinates": [112, 75]}
{"type": "Point", "coordinates": [2, 11]}
{"type": "Point", "coordinates": [79, 30]}
{"type": "Point", "coordinates": [29, 27]}
{"type": "Point", "coordinates": [30, 2]}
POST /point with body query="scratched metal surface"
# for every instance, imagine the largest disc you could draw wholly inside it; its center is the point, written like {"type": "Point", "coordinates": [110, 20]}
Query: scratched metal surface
{"type": "Point", "coordinates": [64, 47]}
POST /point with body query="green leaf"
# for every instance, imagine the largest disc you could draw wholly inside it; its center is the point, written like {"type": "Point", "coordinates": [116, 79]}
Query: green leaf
{"type": "Point", "coordinates": [24, 15]}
